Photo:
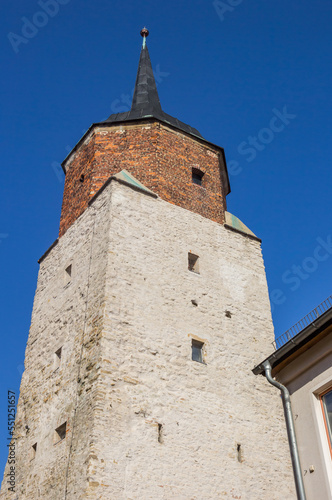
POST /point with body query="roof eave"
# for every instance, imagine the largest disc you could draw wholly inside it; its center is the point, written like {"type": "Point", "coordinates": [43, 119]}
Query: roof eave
{"type": "Point", "coordinates": [296, 342]}
{"type": "Point", "coordinates": [110, 124]}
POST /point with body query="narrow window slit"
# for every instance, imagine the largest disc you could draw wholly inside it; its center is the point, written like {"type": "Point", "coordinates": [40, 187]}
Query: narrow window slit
{"type": "Point", "coordinates": [60, 433]}
{"type": "Point", "coordinates": [33, 451]}
{"type": "Point", "coordinates": [160, 434]}
{"type": "Point", "coordinates": [57, 357]}
{"type": "Point", "coordinates": [239, 452]}
{"type": "Point", "coordinates": [193, 263]}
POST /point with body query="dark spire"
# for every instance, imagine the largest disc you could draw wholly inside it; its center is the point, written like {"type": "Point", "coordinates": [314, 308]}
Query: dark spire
{"type": "Point", "coordinates": [146, 102]}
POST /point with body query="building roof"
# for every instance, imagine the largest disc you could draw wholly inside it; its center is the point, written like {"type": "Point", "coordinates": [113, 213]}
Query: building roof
{"type": "Point", "coordinates": [301, 336]}
{"type": "Point", "coordinates": [146, 106]}
{"type": "Point", "coordinates": [146, 103]}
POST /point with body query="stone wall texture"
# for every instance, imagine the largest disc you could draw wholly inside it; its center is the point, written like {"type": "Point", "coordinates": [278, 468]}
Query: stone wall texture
{"type": "Point", "coordinates": [145, 421]}
{"type": "Point", "coordinates": [159, 157]}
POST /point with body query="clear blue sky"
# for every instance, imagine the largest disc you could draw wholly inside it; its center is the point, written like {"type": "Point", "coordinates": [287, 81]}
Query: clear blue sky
{"type": "Point", "coordinates": [228, 71]}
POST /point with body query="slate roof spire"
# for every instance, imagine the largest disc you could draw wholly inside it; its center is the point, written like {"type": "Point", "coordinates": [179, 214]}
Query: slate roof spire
{"type": "Point", "coordinates": [145, 99]}
{"type": "Point", "coordinates": [146, 102]}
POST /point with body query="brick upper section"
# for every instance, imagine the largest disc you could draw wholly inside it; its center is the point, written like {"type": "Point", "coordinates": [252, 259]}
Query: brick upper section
{"type": "Point", "coordinates": [159, 157]}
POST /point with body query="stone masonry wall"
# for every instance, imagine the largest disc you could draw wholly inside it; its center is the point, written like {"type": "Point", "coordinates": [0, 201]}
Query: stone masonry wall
{"type": "Point", "coordinates": [67, 313]}
{"type": "Point", "coordinates": [144, 420]}
{"type": "Point", "coordinates": [159, 157]}
{"type": "Point", "coordinates": [175, 425]}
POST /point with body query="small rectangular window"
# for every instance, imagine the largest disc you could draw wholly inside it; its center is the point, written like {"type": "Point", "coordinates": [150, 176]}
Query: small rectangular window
{"type": "Point", "coordinates": [57, 357]}
{"type": "Point", "coordinates": [33, 451]}
{"type": "Point", "coordinates": [60, 433]}
{"type": "Point", "coordinates": [193, 263]}
{"type": "Point", "coordinates": [197, 176]}
{"type": "Point", "coordinates": [239, 453]}
{"type": "Point", "coordinates": [160, 433]}
{"type": "Point", "coordinates": [326, 401]}
{"type": "Point", "coordinates": [68, 274]}
{"type": "Point", "coordinates": [197, 351]}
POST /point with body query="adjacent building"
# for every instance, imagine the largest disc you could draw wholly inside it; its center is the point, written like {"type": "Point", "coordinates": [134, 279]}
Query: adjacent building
{"type": "Point", "coordinates": [303, 364]}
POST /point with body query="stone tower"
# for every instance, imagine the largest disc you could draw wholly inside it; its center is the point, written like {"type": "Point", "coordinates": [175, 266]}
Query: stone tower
{"type": "Point", "coordinates": [150, 311]}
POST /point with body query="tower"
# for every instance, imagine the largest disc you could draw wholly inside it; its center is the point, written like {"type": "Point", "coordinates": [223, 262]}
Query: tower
{"type": "Point", "coordinates": [151, 309]}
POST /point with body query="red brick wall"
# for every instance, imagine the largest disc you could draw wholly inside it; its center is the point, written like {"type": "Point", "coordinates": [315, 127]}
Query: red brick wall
{"type": "Point", "coordinates": [160, 158]}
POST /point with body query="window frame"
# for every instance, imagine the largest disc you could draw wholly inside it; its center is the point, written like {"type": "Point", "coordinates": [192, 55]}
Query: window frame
{"type": "Point", "coordinates": [320, 389]}
{"type": "Point", "coordinates": [328, 431]}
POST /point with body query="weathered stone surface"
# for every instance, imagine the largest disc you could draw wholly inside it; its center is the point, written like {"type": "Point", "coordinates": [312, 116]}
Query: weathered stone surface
{"type": "Point", "coordinates": [144, 421]}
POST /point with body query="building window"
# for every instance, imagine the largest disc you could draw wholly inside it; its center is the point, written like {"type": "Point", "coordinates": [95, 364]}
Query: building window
{"type": "Point", "coordinates": [239, 453]}
{"type": "Point", "coordinates": [197, 351]}
{"type": "Point", "coordinates": [68, 275]}
{"type": "Point", "coordinates": [60, 433]}
{"type": "Point", "coordinates": [160, 434]}
{"type": "Point", "coordinates": [193, 263]}
{"type": "Point", "coordinates": [68, 271]}
{"type": "Point", "coordinates": [326, 402]}
{"type": "Point", "coordinates": [197, 176]}
{"type": "Point", "coordinates": [57, 357]}
{"type": "Point", "coordinates": [33, 451]}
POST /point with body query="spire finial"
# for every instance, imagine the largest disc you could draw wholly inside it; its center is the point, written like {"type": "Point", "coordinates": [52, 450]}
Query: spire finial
{"type": "Point", "coordinates": [144, 34]}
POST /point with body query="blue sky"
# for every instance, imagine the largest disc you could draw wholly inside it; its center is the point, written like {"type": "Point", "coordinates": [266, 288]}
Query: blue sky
{"type": "Point", "coordinates": [256, 81]}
